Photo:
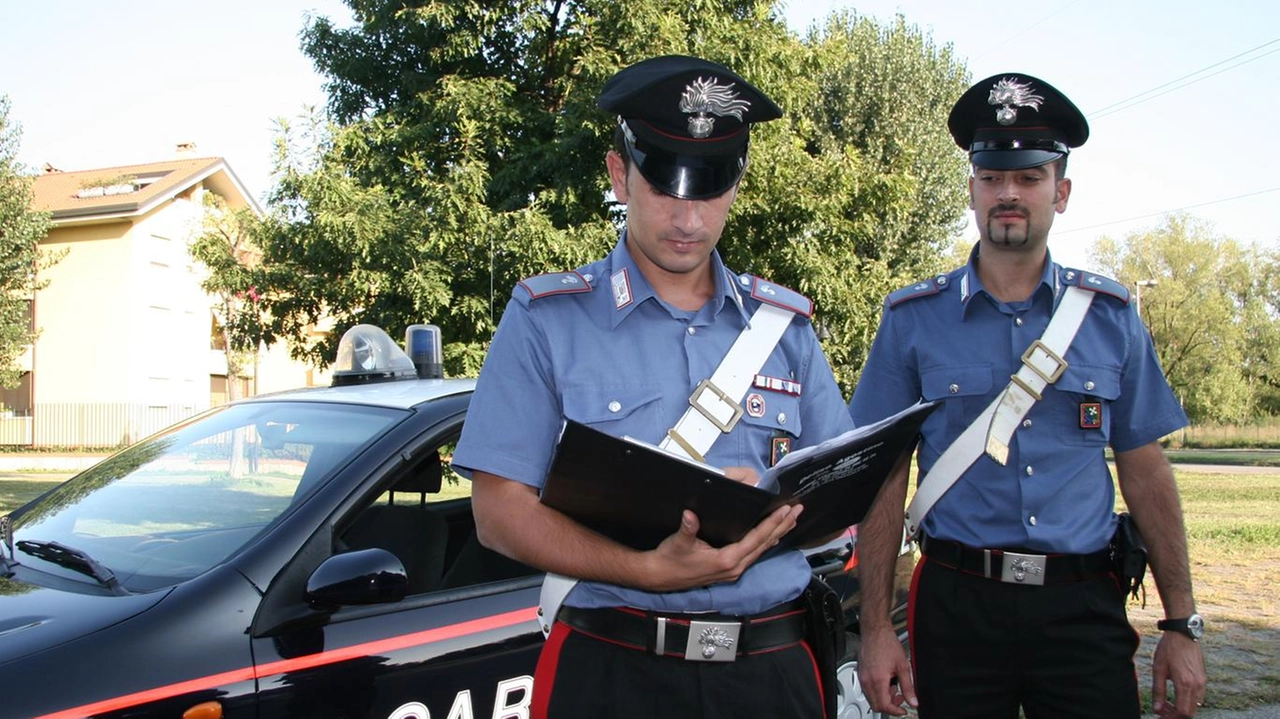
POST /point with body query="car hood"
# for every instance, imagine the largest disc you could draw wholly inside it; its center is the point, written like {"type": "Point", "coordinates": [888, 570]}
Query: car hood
{"type": "Point", "coordinates": [33, 618]}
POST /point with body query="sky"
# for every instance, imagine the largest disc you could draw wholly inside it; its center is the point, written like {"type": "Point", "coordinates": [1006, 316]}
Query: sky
{"type": "Point", "coordinates": [1181, 95]}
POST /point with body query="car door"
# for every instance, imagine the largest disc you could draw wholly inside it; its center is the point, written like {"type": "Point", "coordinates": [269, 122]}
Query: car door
{"type": "Point", "coordinates": [462, 643]}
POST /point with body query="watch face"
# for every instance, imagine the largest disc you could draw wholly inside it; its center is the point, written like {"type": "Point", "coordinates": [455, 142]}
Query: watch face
{"type": "Point", "coordinates": [1195, 626]}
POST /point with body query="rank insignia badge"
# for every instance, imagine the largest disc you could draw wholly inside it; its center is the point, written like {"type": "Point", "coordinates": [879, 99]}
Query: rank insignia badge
{"type": "Point", "coordinates": [779, 447]}
{"type": "Point", "coordinates": [1090, 415]}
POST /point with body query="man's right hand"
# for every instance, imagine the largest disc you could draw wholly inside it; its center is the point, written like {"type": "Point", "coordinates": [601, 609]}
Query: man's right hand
{"type": "Point", "coordinates": [683, 561]}
{"type": "Point", "coordinates": [884, 673]}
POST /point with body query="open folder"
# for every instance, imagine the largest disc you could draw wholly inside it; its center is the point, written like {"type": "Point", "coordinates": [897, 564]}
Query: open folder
{"type": "Point", "coordinates": [635, 492]}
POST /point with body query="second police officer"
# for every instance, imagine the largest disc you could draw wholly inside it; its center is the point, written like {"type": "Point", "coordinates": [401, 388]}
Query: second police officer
{"type": "Point", "coordinates": [1038, 368]}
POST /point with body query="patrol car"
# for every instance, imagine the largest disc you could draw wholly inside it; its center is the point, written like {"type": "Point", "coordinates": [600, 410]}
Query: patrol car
{"type": "Point", "coordinates": [302, 554]}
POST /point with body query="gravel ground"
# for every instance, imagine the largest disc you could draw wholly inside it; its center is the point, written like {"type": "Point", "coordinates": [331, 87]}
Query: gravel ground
{"type": "Point", "coordinates": [1267, 711]}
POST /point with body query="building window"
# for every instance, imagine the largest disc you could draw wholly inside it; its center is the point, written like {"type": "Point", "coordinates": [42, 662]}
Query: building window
{"type": "Point", "coordinates": [217, 338]}
{"type": "Point", "coordinates": [18, 399]}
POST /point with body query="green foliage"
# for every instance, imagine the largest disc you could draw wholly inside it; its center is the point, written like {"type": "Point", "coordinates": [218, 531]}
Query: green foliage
{"type": "Point", "coordinates": [21, 230]}
{"type": "Point", "coordinates": [1212, 315]}
{"type": "Point", "coordinates": [113, 181]}
{"type": "Point", "coordinates": [226, 248]}
{"type": "Point", "coordinates": [462, 151]}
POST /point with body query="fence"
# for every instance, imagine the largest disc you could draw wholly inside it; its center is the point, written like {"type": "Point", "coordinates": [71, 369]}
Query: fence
{"type": "Point", "coordinates": [1260, 433]}
{"type": "Point", "coordinates": [88, 425]}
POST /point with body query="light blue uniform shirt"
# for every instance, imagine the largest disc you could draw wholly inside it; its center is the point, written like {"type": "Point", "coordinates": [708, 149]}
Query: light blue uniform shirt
{"type": "Point", "coordinates": [949, 340]}
{"type": "Point", "coordinates": [619, 359]}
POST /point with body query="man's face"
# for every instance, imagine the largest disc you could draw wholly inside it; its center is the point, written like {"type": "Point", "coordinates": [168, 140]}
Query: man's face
{"type": "Point", "coordinates": [1014, 209]}
{"type": "Point", "coordinates": [665, 233]}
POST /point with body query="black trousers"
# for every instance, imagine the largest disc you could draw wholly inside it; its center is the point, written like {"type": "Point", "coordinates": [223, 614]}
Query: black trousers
{"type": "Point", "coordinates": [580, 676]}
{"type": "Point", "coordinates": [982, 648]}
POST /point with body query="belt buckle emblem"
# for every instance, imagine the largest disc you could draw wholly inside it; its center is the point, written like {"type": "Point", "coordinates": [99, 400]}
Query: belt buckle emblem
{"type": "Point", "coordinates": [706, 639]}
{"type": "Point", "coordinates": [1022, 568]}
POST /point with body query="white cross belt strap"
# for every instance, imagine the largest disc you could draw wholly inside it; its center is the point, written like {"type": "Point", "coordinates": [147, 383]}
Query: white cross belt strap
{"type": "Point", "coordinates": [716, 403]}
{"type": "Point", "coordinates": [1042, 365]}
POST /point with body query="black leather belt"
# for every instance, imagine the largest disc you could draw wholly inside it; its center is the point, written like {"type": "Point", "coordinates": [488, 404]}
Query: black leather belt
{"type": "Point", "coordinates": [1017, 567]}
{"type": "Point", "coordinates": [696, 637]}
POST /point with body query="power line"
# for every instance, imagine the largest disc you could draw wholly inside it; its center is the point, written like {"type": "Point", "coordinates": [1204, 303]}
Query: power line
{"type": "Point", "coordinates": [1165, 212]}
{"type": "Point", "coordinates": [1147, 95]}
{"type": "Point", "coordinates": [1025, 30]}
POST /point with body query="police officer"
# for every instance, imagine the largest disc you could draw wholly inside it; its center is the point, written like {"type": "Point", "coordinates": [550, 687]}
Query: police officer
{"type": "Point", "coordinates": [621, 345]}
{"type": "Point", "coordinates": [1016, 601]}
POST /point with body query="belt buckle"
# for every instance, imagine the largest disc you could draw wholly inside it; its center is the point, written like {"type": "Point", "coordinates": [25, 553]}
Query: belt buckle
{"type": "Point", "coordinates": [1022, 568]}
{"type": "Point", "coordinates": [712, 641]}
{"type": "Point", "coordinates": [720, 409]}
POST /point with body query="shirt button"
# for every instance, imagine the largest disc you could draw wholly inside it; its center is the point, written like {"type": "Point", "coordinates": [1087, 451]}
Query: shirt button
{"type": "Point", "coordinates": [615, 406]}
{"type": "Point", "coordinates": [953, 388]}
{"type": "Point", "coordinates": [1089, 385]}
{"type": "Point", "coordinates": [1026, 423]}
{"type": "Point", "coordinates": [1017, 321]}
{"type": "Point", "coordinates": [692, 330]}
{"type": "Point", "coordinates": [1033, 520]}
{"type": "Point", "coordinates": [1030, 470]}
{"type": "Point", "coordinates": [782, 418]}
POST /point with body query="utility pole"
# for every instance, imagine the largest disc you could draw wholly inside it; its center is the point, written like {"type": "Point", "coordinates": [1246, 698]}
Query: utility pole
{"type": "Point", "coordinates": [1137, 295]}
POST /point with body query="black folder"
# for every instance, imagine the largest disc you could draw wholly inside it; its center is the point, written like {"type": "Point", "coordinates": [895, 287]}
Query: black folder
{"type": "Point", "coordinates": [635, 492]}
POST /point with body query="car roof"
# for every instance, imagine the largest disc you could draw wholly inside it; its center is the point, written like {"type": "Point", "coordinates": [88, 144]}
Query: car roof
{"type": "Point", "coordinates": [398, 394]}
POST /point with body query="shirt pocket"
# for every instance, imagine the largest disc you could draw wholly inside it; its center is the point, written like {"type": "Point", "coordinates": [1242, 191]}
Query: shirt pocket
{"type": "Point", "coordinates": [963, 392]}
{"type": "Point", "coordinates": [615, 409]}
{"type": "Point", "coordinates": [1086, 393]}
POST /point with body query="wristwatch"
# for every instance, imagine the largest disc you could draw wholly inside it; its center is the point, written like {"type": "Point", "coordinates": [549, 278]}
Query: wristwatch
{"type": "Point", "coordinates": [1192, 626]}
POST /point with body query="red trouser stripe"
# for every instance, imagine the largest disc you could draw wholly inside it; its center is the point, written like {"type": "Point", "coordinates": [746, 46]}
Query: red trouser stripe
{"type": "Point", "coordinates": [911, 611]}
{"type": "Point", "coordinates": [544, 677]}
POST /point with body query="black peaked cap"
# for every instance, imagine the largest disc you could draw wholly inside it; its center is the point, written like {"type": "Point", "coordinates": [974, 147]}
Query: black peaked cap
{"type": "Point", "coordinates": [1013, 121]}
{"type": "Point", "coordinates": [686, 121]}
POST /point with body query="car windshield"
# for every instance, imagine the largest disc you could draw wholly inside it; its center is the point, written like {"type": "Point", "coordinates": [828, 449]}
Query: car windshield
{"type": "Point", "coordinates": [176, 504]}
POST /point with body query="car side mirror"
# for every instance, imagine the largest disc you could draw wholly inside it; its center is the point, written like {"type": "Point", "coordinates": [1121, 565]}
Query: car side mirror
{"type": "Point", "coordinates": [366, 576]}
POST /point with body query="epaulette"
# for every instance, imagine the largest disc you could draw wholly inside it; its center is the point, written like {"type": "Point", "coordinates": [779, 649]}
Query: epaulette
{"type": "Point", "coordinates": [923, 288]}
{"type": "Point", "coordinates": [554, 283]}
{"type": "Point", "coordinates": [1095, 283]}
{"type": "Point", "coordinates": [777, 295]}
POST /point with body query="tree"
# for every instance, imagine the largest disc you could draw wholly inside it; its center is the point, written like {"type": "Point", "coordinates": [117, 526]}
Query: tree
{"type": "Point", "coordinates": [21, 230]}
{"type": "Point", "coordinates": [225, 247]}
{"type": "Point", "coordinates": [462, 151]}
{"type": "Point", "coordinates": [1212, 315]}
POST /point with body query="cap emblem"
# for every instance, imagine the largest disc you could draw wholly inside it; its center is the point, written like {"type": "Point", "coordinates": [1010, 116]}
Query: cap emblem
{"type": "Point", "coordinates": [705, 97]}
{"type": "Point", "coordinates": [1010, 95]}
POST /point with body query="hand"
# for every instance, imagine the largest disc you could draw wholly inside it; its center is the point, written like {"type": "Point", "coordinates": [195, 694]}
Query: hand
{"type": "Point", "coordinates": [746, 475]}
{"type": "Point", "coordinates": [1178, 659]}
{"type": "Point", "coordinates": [683, 561]}
{"type": "Point", "coordinates": [884, 672]}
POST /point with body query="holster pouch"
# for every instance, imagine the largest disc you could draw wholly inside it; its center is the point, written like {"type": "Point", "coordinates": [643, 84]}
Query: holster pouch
{"type": "Point", "coordinates": [825, 635]}
{"type": "Point", "coordinates": [1129, 552]}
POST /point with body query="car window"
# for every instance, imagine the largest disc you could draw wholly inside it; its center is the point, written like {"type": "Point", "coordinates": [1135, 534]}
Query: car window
{"type": "Point", "coordinates": [174, 505]}
{"type": "Point", "coordinates": [423, 516]}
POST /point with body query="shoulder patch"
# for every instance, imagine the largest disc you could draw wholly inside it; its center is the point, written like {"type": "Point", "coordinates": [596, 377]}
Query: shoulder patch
{"type": "Point", "coordinates": [554, 283]}
{"type": "Point", "coordinates": [923, 288]}
{"type": "Point", "coordinates": [778, 296]}
{"type": "Point", "coordinates": [1096, 283]}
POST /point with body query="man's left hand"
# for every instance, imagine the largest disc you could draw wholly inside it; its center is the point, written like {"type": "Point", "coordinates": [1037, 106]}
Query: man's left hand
{"type": "Point", "coordinates": [1178, 659]}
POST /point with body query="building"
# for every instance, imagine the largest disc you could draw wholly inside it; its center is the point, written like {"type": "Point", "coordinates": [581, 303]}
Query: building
{"type": "Point", "coordinates": [126, 341]}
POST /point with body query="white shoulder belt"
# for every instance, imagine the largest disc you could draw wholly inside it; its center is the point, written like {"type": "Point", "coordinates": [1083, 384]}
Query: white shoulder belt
{"type": "Point", "coordinates": [714, 408]}
{"type": "Point", "coordinates": [991, 432]}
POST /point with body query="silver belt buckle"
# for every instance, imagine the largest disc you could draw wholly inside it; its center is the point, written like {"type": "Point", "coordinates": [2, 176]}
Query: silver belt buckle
{"type": "Point", "coordinates": [712, 641]}
{"type": "Point", "coordinates": [1022, 568]}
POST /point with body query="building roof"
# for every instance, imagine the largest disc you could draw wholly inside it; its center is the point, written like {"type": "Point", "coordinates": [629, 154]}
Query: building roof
{"type": "Point", "coordinates": [131, 190]}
